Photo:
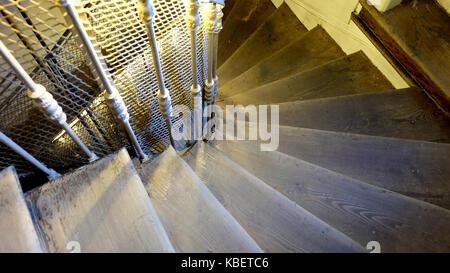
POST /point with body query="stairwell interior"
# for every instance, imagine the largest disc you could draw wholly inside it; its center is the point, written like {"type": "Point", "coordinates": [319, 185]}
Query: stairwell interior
{"type": "Point", "coordinates": [362, 156]}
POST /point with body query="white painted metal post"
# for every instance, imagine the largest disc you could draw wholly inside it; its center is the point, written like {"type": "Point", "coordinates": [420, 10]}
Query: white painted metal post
{"type": "Point", "coordinates": [216, 49]}
{"type": "Point", "coordinates": [193, 22]}
{"type": "Point", "coordinates": [52, 174]}
{"type": "Point", "coordinates": [211, 25]}
{"type": "Point", "coordinates": [146, 14]}
{"type": "Point", "coordinates": [44, 99]}
{"type": "Point", "coordinates": [113, 97]}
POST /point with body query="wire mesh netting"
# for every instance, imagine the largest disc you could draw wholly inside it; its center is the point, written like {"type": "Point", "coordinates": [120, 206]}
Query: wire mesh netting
{"type": "Point", "coordinates": [123, 40]}
{"type": "Point", "coordinates": [38, 35]}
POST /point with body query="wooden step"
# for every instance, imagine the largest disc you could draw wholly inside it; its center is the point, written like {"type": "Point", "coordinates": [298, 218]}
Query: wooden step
{"type": "Point", "coordinates": [417, 34]}
{"type": "Point", "coordinates": [313, 49]}
{"type": "Point", "coordinates": [361, 211]}
{"type": "Point", "coordinates": [17, 231]}
{"type": "Point", "coordinates": [102, 206]}
{"type": "Point", "coordinates": [405, 113]}
{"type": "Point", "coordinates": [193, 218]}
{"type": "Point", "coordinates": [349, 75]}
{"type": "Point", "coordinates": [280, 29]}
{"type": "Point", "coordinates": [243, 20]}
{"type": "Point", "coordinates": [227, 9]}
{"type": "Point", "coordinates": [276, 223]}
{"type": "Point", "coordinates": [415, 168]}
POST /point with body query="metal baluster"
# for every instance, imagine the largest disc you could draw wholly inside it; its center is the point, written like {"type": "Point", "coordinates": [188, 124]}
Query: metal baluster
{"type": "Point", "coordinates": [113, 97]}
{"type": "Point", "coordinates": [211, 25]}
{"type": "Point", "coordinates": [52, 174]}
{"type": "Point", "coordinates": [193, 22]}
{"type": "Point", "coordinates": [44, 99]}
{"type": "Point", "coordinates": [146, 14]}
{"type": "Point", "coordinates": [215, 59]}
{"type": "Point", "coordinates": [216, 49]}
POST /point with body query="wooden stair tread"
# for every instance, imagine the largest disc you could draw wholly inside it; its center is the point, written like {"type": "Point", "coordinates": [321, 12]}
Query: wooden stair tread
{"type": "Point", "coordinates": [192, 217]}
{"type": "Point", "coordinates": [276, 223]}
{"type": "Point", "coordinates": [405, 113]}
{"type": "Point", "coordinates": [280, 29]}
{"type": "Point", "coordinates": [245, 17]}
{"type": "Point", "coordinates": [418, 34]}
{"type": "Point", "coordinates": [17, 231]}
{"type": "Point", "coordinates": [103, 206]}
{"type": "Point", "coordinates": [418, 169]}
{"type": "Point", "coordinates": [361, 211]}
{"type": "Point", "coordinates": [311, 50]}
{"type": "Point", "coordinates": [349, 75]}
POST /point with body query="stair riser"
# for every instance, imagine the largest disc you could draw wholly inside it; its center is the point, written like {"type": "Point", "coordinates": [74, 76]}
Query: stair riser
{"type": "Point", "coordinates": [350, 75]}
{"type": "Point", "coordinates": [280, 29]}
{"type": "Point", "coordinates": [311, 50]}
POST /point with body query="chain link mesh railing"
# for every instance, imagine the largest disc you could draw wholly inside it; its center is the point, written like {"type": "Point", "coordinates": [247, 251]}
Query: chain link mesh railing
{"type": "Point", "coordinates": [122, 37]}
{"type": "Point", "coordinates": [37, 34]}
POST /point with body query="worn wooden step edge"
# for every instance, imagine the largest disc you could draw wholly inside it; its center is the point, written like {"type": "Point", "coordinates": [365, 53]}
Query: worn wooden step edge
{"type": "Point", "coordinates": [281, 28]}
{"type": "Point", "coordinates": [193, 218]}
{"type": "Point", "coordinates": [311, 50]}
{"type": "Point", "coordinates": [102, 206]}
{"type": "Point", "coordinates": [354, 74]}
{"type": "Point", "coordinates": [418, 168]}
{"type": "Point", "coordinates": [17, 231]}
{"type": "Point", "coordinates": [404, 113]}
{"type": "Point", "coordinates": [276, 223]}
{"type": "Point", "coordinates": [410, 167]}
{"type": "Point", "coordinates": [364, 212]}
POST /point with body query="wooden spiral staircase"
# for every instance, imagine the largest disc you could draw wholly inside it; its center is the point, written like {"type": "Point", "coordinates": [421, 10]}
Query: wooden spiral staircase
{"type": "Point", "coordinates": [357, 162]}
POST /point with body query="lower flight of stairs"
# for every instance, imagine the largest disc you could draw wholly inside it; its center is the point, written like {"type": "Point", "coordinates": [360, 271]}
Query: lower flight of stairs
{"type": "Point", "coordinates": [222, 196]}
{"type": "Point", "coordinates": [357, 162]}
{"type": "Point", "coordinates": [103, 207]}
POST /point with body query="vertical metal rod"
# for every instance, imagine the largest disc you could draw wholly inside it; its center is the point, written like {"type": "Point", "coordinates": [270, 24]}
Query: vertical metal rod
{"type": "Point", "coordinates": [113, 97]}
{"type": "Point", "coordinates": [211, 25]}
{"type": "Point", "coordinates": [216, 46]}
{"type": "Point", "coordinates": [218, 28]}
{"type": "Point", "coordinates": [52, 174]}
{"type": "Point", "coordinates": [146, 14]}
{"type": "Point", "coordinates": [42, 97]}
{"type": "Point", "coordinates": [193, 22]}
{"type": "Point", "coordinates": [216, 49]}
